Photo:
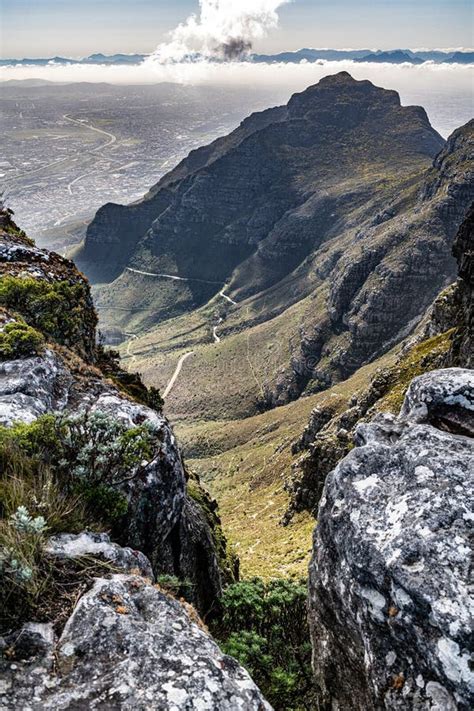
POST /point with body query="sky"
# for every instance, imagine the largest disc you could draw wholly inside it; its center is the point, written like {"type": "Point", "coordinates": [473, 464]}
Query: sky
{"type": "Point", "coordinates": [38, 28]}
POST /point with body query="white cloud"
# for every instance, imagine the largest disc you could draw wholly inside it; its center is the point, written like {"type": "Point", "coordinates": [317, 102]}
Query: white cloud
{"type": "Point", "coordinates": [223, 28]}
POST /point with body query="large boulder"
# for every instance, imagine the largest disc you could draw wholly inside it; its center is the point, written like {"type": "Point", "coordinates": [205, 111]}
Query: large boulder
{"type": "Point", "coordinates": [127, 645]}
{"type": "Point", "coordinates": [389, 605]}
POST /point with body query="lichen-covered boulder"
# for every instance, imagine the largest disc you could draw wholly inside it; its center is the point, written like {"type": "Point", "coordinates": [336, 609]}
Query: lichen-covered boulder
{"type": "Point", "coordinates": [31, 387]}
{"type": "Point", "coordinates": [443, 398]}
{"type": "Point", "coordinates": [127, 646]}
{"type": "Point", "coordinates": [98, 545]}
{"type": "Point", "coordinates": [390, 609]}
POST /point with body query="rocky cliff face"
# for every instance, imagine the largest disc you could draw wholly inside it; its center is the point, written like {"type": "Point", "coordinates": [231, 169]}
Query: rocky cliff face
{"type": "Point", "coordinates": [330, 207]}
{"type": "Point", "coordinates": [444, 338]}
{"type": "Point", "coordinates": [50, 363]}
{"type": "Point", "coordinates": [463, 347]}
{"type": "Point", "coordinates": [389, 601]}
{"type": "Point", "coordinates": [126, 645]}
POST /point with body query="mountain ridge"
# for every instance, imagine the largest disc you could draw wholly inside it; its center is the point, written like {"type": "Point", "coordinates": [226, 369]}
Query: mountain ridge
{"type": "Point", "coordinates": [311, 218]}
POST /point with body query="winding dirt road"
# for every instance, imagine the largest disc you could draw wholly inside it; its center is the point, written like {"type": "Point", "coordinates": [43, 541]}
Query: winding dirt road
{"type": "Point", "coordinates": [216, 338]}
{"type": "Point", "coordinates": [176, 373]}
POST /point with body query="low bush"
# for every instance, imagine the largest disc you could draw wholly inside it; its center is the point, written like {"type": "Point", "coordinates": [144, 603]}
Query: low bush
{"type": "Point", "coordinates": [264, 626]}
{"type": "Point", "coordinates": [58, 309]}
{"type": "Point", "coordinates": [18, 340]}
{"type": "Point", "coordinates": [175, 586]}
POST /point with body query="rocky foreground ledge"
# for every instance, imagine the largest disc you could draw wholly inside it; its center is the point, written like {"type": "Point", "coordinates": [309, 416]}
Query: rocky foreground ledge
{"type": "Point", "coordinates": [115, 639]}
{"type": "Point", "coordinates": [390, 610]}
{"type": "Point", "coordinates": [127, 645]}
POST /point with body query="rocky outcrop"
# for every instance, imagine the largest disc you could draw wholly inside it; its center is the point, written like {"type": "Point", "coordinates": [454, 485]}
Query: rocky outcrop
{"type": "Point", "coordinates": [162, 521]}
{"type": "Point", "coordinates": [126, 645]}
{"type": "Point", "coordinates": [463, 348]}
{"type": "Point", "coordinates": [388, 592]}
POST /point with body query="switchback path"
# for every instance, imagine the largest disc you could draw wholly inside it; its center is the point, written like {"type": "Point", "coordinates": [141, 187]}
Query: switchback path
{"type": "Point", "coordinates": [178, 278]}
{"type": "Point", "coordinates": [172, 276]}
{"type": "Point", "coordinates": [216, 338]}
{"type": "Point", "coordinates": [176, 373]}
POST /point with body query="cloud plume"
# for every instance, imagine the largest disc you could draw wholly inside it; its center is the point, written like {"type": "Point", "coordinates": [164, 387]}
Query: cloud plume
{"type": "Point", "coordinates": [223, 29]}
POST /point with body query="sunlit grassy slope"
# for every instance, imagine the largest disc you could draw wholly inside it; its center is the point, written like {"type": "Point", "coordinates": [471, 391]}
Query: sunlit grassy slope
{"type": "Point", "coordinates": [245, 463]}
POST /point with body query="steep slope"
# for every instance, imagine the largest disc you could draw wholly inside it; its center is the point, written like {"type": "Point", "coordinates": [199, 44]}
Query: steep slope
{"type": "Point", "coordinates": [332, 229]}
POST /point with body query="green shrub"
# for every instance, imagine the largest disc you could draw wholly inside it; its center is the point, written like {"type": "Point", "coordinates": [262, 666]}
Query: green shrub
{"type": "Point", "coordinates": [98, 449]}
{"type": "Point", "coordinates": [175, 587]}
{"type": "Point", "coordinates": [57, 309]}
{"type": "Point", "coordinates": [18, 340]}
{"type": "Point", "coordinates": [102, 501]}
{"type": "Point", "coordinates": [264, 626]}
{"type": "Point", "coordinates": [38, 439]}
{"type": "Point", "coordinates": [91, 455]}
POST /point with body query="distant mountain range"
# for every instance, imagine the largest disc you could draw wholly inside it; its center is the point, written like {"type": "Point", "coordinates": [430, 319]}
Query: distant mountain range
{"type": "Point", "coordinates": [396, 56]}
{"type": "Point", "coordinates": [92, 59]}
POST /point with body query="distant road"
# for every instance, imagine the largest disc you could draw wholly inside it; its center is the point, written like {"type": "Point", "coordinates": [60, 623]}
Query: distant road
{"type": "Point", "coordinates": [112, 138]}
{"type": "Point", "coordinates": [76, 180]}
{"type": "Point", "coordinates": [176, 278]}
{"type": "Point", "coordinates": [176, 373]}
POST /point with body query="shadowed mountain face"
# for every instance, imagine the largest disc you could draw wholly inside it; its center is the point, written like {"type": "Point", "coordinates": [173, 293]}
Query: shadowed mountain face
{"type": "Point", "coordinates": [270, 187]}
{"type": "Point", "coordinates": [326, 217]}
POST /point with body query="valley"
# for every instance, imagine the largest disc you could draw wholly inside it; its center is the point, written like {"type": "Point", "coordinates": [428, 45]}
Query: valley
{"type": "Point", "coordinates": [236, 412]}
{"type": "Point", "coordinates": [279, 292]}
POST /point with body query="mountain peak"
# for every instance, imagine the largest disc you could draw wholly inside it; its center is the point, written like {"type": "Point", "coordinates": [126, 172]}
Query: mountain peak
{"type": "Point", "coordinates": [339, 94]}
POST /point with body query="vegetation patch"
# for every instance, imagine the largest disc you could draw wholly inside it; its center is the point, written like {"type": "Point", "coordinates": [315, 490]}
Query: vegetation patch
{"type": "Point", "coordinates": [61, 310]}
{"type": "Point", "coordinates": [264, 626]}
{"type": "Point", "coordinates": [18, 340]}
{"type": "Point", "coordinates": [59, 475]}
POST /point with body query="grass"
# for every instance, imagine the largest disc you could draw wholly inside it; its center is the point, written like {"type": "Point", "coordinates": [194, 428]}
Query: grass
{"type": "Point", "coordinates": [245, 464]}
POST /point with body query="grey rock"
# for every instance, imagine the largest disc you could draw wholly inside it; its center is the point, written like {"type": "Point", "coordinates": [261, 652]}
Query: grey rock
{"type": "Point", "coordinates": [33, 639]}
{"type": "Point", "coordinates": [32, 387]}
{"type": "Point", "coordinates": [390, 608]}
{"type": "Point", "coordinates": [99, 545]}
{"type": "Point", "coordinates": [444, 398]}
{"type": "Point", "coordinates": [129, 646]}
{"type": "Point", "coordinates": [161, 520]}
